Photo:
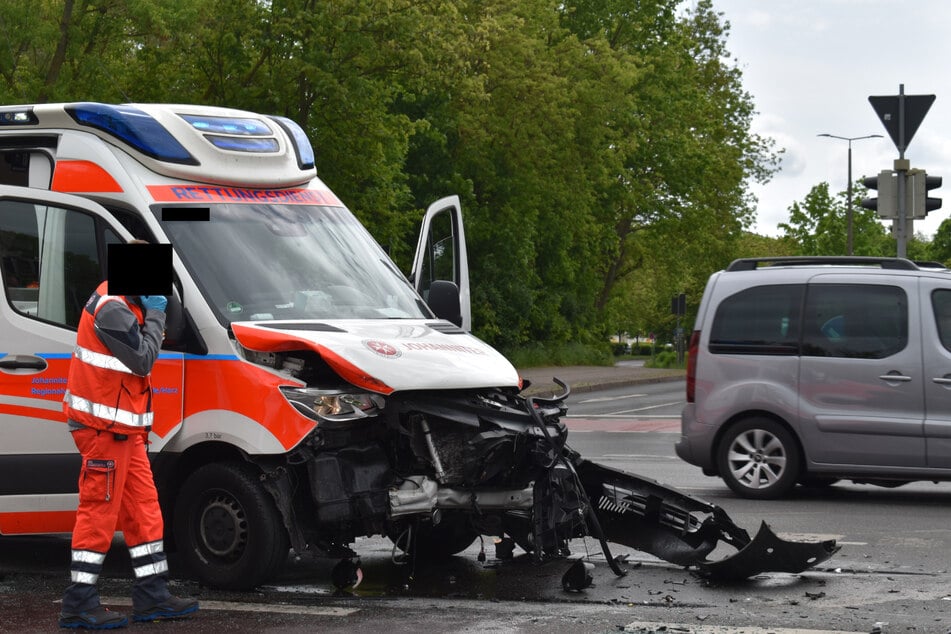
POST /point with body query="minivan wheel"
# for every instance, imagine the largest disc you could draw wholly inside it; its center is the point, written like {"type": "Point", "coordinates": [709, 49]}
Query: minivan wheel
{"type": "Point", "coordinates": [758, 458]}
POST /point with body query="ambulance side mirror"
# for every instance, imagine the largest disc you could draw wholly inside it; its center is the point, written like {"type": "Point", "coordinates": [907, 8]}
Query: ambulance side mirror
{"type": "Point", "coordinates": [443, 299]}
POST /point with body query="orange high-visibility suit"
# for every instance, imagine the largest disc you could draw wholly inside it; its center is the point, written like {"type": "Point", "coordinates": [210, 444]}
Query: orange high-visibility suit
{"type": "Point", "coordinates": [108, 406]}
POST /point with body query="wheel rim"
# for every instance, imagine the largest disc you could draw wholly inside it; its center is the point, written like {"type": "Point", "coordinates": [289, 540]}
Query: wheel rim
{"type": "Point", "coordinates": [223, 527]}
{"type": "Point", "coordinates": [757, 459]}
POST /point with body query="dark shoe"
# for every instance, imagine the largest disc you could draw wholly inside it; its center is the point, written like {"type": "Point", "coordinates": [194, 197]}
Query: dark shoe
{"type": "Point", "coordinates": [98, 618]}
{"type": "Point", "coordinates": [170, 608]}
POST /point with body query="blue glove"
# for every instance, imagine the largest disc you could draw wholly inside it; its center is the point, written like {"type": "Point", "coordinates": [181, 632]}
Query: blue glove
{"type": "Point", "coordinates": [154, 302]}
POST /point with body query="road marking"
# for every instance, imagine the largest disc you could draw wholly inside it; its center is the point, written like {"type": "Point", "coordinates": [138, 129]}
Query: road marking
{"type": "Point", "coordinates": [623, 416]}
{"type": "Point", "coordinates": [611, 398]}
{"type": "Point", "coordinates": [627, 424]}
{"type": "Point", "coordinates": [643, 627]}
{"type": "Point", "coordinates": [641, 409]}
{"type": "Point", "coordinates": [270, 608]}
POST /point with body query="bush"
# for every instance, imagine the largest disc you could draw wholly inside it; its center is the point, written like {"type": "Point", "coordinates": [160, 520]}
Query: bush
{"type": "Point", "coordinates": [639, 349]}
{"type": "Point", "coordinates": [540, 355]}
{"type": "Point", "coordinates": [663, 359]}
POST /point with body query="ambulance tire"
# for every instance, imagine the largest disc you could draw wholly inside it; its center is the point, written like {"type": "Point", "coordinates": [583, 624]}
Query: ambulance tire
{"type": "Point", "coordinates": [435, 542]}
{"type": "Point", "coordinates": [228, 529]}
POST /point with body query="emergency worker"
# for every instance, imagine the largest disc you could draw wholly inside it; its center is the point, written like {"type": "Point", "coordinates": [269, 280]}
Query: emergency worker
{"type": "Point", "coordinates": [108, 407]}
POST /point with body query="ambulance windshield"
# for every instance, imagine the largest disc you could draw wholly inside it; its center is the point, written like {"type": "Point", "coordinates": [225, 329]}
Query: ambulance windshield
{"type": "Point", "coordinates": [273, 261]}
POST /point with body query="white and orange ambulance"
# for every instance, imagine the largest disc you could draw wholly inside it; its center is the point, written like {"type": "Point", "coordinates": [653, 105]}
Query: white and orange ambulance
{"type": "Point", "coordinates": [307, 393]}
{"type": "Point", "coordinates": [263, 252]}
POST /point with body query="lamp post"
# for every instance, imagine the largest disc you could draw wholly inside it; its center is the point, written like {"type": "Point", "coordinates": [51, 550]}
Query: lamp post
{"type": "Point", "coordinates": [848, 211]}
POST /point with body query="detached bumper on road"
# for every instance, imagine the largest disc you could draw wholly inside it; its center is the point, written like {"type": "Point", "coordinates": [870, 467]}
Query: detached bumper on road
{"type": "Point", "coordinates": [656, 519]}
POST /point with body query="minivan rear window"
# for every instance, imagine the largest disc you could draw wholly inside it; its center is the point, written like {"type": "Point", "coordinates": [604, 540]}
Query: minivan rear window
{"type": "Point", "coordinates": [759, 320]}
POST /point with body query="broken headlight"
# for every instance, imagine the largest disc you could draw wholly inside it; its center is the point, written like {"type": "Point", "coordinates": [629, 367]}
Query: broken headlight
{"type": "Point", "coordinates": [333, 405]}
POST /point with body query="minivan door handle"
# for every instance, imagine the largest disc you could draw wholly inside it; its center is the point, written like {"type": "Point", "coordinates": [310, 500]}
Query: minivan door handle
{"type": "Point", "coordinates": [899, 378]}
{"type": "Point", "coordinates": [942, 380]}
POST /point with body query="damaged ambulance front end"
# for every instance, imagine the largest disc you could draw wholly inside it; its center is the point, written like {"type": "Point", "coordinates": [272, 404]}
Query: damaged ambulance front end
{"type": "Point", "coordinates": [395, 420]}
{"type": "Point", "coordinates": [434, 468]}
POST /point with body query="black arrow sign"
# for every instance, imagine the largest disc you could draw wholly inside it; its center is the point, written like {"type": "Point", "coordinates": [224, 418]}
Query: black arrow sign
{"type": "Point", "coordinates": [888, 108]}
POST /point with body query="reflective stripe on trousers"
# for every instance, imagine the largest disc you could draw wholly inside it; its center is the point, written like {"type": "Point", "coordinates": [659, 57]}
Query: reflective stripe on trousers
{"type": "Point", "coordinates": [148, 559]}
{"type": "Point", "coordinates": [86, 565]}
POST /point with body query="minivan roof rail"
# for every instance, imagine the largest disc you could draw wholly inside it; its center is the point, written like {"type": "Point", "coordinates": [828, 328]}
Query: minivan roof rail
{"type": "Point", "coordinates": [925, 264]}
{"type": "Point", "coordinates": [751, 264]}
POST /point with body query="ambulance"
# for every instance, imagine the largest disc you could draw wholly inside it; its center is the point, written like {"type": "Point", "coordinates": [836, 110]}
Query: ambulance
{"type": "Point", "coordinates": [308, 393]}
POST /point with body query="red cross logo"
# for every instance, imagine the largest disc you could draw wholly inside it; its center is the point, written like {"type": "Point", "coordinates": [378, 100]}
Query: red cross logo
{"type": "Point", "coordinates": [382, 348]}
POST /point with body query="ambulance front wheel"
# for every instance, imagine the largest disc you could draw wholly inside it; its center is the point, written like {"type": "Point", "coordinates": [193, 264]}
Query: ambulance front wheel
{"type": "Point", "coordinates": [227, 528]}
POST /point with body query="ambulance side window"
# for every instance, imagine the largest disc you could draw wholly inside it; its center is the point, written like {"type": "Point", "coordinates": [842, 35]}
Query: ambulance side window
{"type": "Point", "coordinates": [52, 259]}
{"type": "Point", "coordinates": [440, 261]}
{"type": "Point", "coordinates": [134, 224]}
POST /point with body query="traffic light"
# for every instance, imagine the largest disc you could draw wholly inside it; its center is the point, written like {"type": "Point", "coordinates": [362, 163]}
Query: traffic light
{"type": "Point", "coordinates": [919, 184]}
{"type": "Point", "coordinates": [678, 304]}
{"type": "Point", "coordinates": [886, 204]}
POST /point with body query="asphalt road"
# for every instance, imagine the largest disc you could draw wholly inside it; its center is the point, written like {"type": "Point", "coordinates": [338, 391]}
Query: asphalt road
{"type": "Point", "coordinates": [892, 568]}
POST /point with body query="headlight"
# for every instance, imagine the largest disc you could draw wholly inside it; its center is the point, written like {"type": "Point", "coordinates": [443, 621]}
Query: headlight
{"type": "Point", "coordinates": [333, 405]}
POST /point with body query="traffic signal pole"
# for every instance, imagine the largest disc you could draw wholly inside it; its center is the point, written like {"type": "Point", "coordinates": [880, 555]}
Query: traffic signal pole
{"type": "Point", "coordinates": [910, 110]}
{"type": "Point", "coordinates": [901, 166]}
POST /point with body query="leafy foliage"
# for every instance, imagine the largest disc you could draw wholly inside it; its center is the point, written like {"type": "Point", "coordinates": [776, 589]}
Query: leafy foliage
{"type": "Point", "coordinates": [818, 226]}
{"type": "Point", "coordinates": [940, 248]}
{"type": "Point", "coordinates": [602, 149]}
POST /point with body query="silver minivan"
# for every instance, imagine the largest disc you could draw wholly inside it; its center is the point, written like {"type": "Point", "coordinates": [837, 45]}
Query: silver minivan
{"type": "Point", "coordinates": [810, 370]}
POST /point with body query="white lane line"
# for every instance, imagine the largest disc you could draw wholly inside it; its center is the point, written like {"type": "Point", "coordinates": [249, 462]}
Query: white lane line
{"type": "Point", "coordinates": [644, 627]}
{"type": "Point", "coordinates": [623, 416]}
{"type": "Point", "coordinates": [625, 431]}
{"type": "Point", "coordinates": [604, 399]}
{"type": "Point", "coordinates": [643, 409]}
{"type": "Point", "coordinates": [270, 608]}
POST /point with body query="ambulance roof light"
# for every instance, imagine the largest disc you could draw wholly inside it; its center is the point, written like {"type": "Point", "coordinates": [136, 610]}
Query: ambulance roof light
{"type": "Point", "coordinates": [134, 127]}
{"type": "Point", "coordinates": [18, 115]}
{"type": "Point", "coordinates": [305, 151]}
{"type": "Point", "coordinates": [227, 125]}
{"type": "Point", "coordinates": [243, 144]}
{"type": "Point", "coordinates": [236, 134]}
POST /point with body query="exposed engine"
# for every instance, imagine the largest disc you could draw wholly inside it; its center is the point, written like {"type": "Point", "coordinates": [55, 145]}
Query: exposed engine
{"type": "Point", "coordinates": [434, 470]}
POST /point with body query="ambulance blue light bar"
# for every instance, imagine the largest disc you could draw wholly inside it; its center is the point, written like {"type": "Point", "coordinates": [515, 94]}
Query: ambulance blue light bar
{"type": "Point", "coordinates": [134, 127]}
{"type": "Point", "coordinates": [235, 134]}
{"type": "Point", "coordinates": [18, 115]}
{"type": "Point", "coordinates": [227, 125]}
{"type": "Point", "coordinates": [305, 151]}
{"type": "Point", "coordinates": [243, 144]}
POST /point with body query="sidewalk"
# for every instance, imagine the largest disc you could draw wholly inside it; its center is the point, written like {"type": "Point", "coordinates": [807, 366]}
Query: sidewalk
{"type": "Point", "coordinates": [589, 378]}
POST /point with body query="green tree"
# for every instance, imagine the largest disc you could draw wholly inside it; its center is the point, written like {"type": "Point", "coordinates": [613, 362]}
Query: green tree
{"type": "Point", "coordinates": [507, 132]}
{"type": "Point", "coordinates": [681, 154]}
{"type": "Point", "coordinates": [818, 226]}
{"type": "Point", "coordinates": [940, 247]}
{"type": "Point", "coordinates": [601, 147]}
{"type": "Point", "coordinates": [106, 50]}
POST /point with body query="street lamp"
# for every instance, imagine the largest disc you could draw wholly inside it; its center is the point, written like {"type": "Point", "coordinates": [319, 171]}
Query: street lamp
{"type": "Point", "coordinates": [848, 211]}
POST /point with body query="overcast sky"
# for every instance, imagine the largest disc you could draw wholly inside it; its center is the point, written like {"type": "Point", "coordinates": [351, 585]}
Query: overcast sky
{"type": "Point", "coordinates": [810, 66]}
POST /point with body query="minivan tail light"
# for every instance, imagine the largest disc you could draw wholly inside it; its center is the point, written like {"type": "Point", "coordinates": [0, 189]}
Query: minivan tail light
{"type": "Point", "coordinates": [692, 351]}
